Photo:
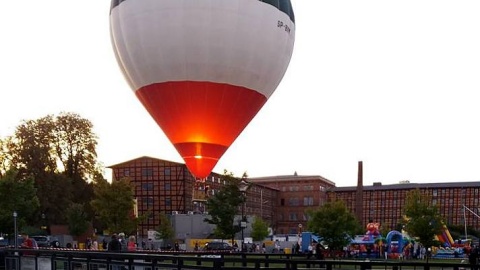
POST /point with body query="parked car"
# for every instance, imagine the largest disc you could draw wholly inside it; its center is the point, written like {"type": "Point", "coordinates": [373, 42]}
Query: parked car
{"type": "Point", "coordinates": [215, 245]}
{"type": "Point", "coordinates": [46, 241]}
{"type": "Point", "coordinates": [3, 242]}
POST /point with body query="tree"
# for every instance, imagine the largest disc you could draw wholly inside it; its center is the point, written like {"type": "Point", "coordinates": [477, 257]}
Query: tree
{"type": "Point", "coordinates": [38, 146]}
{"type": "Point", "coordinates": [5, 157]}
{"type": "Point", "coordinates": [114, 205]}
{"type": "Point", "coordinates": [259, 229]}
{"type": "Point", "coordinates": [223, 207]}
{"type": "Point", "coordinates": [74, 145]}
{"type": "Point", "coordinates": [31, 147]}
{"type": "Point", "coordinates": [55, 192]}
{"type": "Point", "coordinates": [334, 223]}
{"type": "Point", "coordinates": [422, 219]}
{"type": "Point", "coordinates": [59, 152]}
{"type": "Point", "coordinates": [77, 219]}
{"type": "Point", "coordinates": [165, 230]}
{"type": "Point", "coordinates": [18, 194]}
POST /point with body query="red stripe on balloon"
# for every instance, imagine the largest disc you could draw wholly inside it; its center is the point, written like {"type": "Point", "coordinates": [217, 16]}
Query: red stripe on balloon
{"type": "Point", "coordinates": [201, 119]}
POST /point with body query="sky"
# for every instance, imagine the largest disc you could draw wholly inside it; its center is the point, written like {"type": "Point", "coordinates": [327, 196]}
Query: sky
{"type": "Point", "coordinates": [390, 83]}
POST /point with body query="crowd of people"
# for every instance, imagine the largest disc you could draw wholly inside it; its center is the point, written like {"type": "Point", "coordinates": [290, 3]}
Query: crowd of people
{"type": "Point", "coordinates": [474, 257]}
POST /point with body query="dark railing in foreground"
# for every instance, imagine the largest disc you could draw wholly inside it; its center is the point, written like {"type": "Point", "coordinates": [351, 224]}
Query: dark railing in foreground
{"type": "Point", "coordinates": [58, 259]}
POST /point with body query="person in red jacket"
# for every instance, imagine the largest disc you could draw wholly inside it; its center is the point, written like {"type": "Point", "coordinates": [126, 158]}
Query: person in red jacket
{"type": "Point", "coordinates": [27, 242]}
{"type": "Point", "coordinates": [131, 245]}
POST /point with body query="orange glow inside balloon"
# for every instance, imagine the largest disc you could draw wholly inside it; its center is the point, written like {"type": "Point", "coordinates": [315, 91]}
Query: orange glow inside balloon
{"type": "Point", "coordinates": [201, 136]}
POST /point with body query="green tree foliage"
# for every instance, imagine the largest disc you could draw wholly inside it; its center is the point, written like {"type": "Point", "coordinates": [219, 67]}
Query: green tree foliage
{"type": "Point", "coordinates": [18, 194]}
{"type": "Point", "coordinates": [259, 229]}
{"type": "Point", "coordinates": [75, 145]}
{"type": "Point", "coordinates": [5, 156]}
{"type": "Point", "coordinates": [114, 205]}
{"type": "Point", "coordinates": [165, 229]}
{"type": "Point", "coordinates": [334, 223]}
{"type": "Point", "coordinates": [422, 219]}
{"type": "Point", "coordinates": [59, 153]}
{"type": "Point", "coordinates": [31, 147]}
{"type": "Point", "coordinates": [77, 219]}
{"type": "Point", "coordinates": [56, 192]}
{"type": "Point", "coordinates": [38, 146]}
{"type": "Point", "coordinates": [224, 206]}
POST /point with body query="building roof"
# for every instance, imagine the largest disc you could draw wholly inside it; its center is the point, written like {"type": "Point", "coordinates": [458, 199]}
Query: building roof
{"type": "Point", "coordinates": [143, 157]}
{"type": "Point", "coordinates": [379, 186]}
{"type": "Point", "coordinates": [285, 178]}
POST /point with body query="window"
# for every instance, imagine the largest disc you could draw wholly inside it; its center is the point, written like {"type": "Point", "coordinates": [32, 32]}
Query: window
{"type": "Point", "coordinates": [148, 201]}
{"type": "Point", "coordinates": [282, 202]}
{"type": "Point", "coordinates": [293, 216]}
{"type": "Point", "coordinates": [126, 172]}
{"type": "Point", "coordinates": [307, 188]}
{"type": "Point", "coordinates": [147, 172]}
{"type": "Point", "coordinates": [147, 186]}
{"type": "Point", "coordinates": [167, 171]}
{"type": "Point", "coordinates": [293, 202]}
{"type": "Point", "coordinates": [168, 202]}
{"type": "Point", "coordinates": [167, 186]}
{"type": "Point", "coordinates": [307, 201]}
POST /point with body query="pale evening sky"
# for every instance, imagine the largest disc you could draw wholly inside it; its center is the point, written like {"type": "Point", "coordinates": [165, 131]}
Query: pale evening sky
{"type": "Point", "coordinates": [390, 83]}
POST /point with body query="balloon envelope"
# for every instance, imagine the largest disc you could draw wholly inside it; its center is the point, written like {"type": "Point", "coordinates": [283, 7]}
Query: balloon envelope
{"type": "Point", "coordinates": [204, 68]}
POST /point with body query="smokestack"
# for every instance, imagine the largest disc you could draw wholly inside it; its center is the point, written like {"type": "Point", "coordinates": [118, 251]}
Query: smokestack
{"type": "Point", "coordinates": [359, 195]}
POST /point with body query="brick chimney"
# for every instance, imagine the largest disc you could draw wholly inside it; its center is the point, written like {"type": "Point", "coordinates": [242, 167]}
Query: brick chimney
{"type": "Point", "coordinates": [359, 195]}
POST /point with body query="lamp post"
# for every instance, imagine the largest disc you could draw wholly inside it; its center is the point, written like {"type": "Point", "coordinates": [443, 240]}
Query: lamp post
{"type": "Point", "coordinates": [15, 228]}
{"type": "Point", "coordinates": [243, 186]}
{"type": "Point", "coordinates": [44, 223]}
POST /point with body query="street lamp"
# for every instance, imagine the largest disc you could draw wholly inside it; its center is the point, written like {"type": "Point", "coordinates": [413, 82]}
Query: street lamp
{"type": "Point", "coordinates": [243, 186]}
{"type": "Point", "coordinates": [15, 228]}
{"type": "Point", "coordinates": [44, 223]}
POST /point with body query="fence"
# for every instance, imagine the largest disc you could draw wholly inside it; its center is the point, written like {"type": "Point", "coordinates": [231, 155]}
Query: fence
{"type": "Point", "coordinates": [56, 259]}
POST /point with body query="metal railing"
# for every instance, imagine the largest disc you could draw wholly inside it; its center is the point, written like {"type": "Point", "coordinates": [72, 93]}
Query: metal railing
{"type": "Point", "coordinates": [58, 259]}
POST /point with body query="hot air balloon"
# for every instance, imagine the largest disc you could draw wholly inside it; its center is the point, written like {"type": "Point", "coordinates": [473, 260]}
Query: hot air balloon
{"type": "Point", "coordinates": [202, 68]}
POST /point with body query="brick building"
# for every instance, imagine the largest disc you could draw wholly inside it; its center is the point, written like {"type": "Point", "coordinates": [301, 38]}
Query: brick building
{"type": "Point", "coordinates": [295, 195]}
{"type": "Point", "coordinates": [167, 187]}
{"type": "Point", "coordinates": [163, 186]}
{"type": "Point", "coordinates": [385, 203]}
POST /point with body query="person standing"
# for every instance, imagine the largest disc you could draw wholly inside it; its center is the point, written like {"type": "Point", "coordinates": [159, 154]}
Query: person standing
{"type": "Point", "coordinates": [473, 257]}
{"type": "Point", "coordinates": [104, 244]}
{"type": "Point", "coordinates": [27, 242]}
{"type": "Point", "coordinates": [123, 241]}
{"type": "Point", "coordinates": [131, 245]}
{"type": "Point", "coordinates": [114, 244]}
{"type": "Point", "coordinates": [94, 244]}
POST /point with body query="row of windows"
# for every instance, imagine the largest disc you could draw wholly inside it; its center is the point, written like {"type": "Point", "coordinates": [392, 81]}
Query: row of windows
{"type": "Point", "coordinates": [149, 186]}
{"type": "Point", "coordinates": [293, 216]}
{"type": "Point", "coordinates": [149, 201]}
{"type": "Point", "coordinates": [147, 171]}
{"type": "Point", "coordinates": [474, 192]}
{"type": "Point", "coordinates": [307, 201]}
{"type": "Point", "coordinates": [304, 188]}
